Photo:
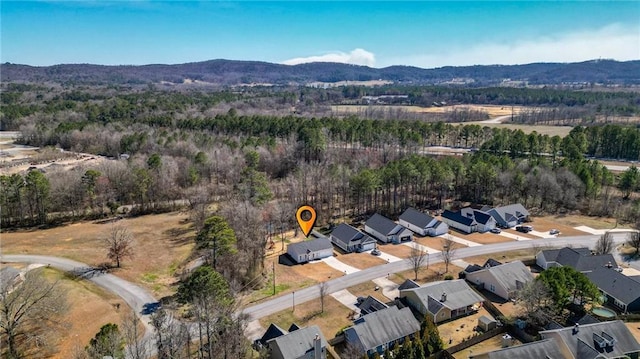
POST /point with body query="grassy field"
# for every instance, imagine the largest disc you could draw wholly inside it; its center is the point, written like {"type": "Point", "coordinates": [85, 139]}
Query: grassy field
{"type": "Point", "coordinates": [163, 243]}
{"type": "Point", "coordinates": [491, 110]}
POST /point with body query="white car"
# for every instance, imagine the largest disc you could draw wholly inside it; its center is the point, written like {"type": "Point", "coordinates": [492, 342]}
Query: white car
{"type": "Point", "coordinates": [554, 231]}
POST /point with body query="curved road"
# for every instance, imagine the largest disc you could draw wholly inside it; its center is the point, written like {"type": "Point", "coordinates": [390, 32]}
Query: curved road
{"type": "Point", "coordinates": [141, 301]}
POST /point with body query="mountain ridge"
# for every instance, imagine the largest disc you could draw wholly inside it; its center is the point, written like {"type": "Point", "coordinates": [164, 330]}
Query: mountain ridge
{"type": "Point", "coordinates": [235, 72]}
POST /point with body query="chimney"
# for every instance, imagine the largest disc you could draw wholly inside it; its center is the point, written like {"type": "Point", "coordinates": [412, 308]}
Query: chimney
{"type": "Point", "coordinates": [444, 297]}
{"type": "Point", "coordinates": [576, 328]}
{"type": "Point", "coordinates": [317, 347]}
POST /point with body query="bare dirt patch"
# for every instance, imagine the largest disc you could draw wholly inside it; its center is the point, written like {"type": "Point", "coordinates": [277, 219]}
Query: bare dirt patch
{"type": "Point", "coordinates": [634, 327]}
{"type": "Point", "coordinates": [361, 260]}
{"type": "Point", "coordinates": [546, 223]}
{"type": "Point", "coordinates": [163, 243]}
{"type": "Point", "coordinates": [486, 238]}
{"type": "Point", "coordinates": [456, 331]}
{"type": "Point", "coordinates": [572, 220]}
{"type": "Point", "coordinates": [397, 250]}
{"type": "Point", "coordinates": [489, 345]}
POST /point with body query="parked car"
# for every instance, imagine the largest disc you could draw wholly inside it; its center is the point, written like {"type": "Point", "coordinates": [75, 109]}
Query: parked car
{"type": "Point", "coordinates": [375, 252]}
{"type": "Point", "coordinates": [495, 230]}
{"type": "Point", "coordinates": [524, 229]}
{"type": "Point", "coordinates": [554, 231]}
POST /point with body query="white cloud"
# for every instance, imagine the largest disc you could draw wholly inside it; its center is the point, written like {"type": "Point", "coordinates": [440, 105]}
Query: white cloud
{"type": "Point", "coordinates": [611, 42]}
{"type": "Point", "coordinates": [355, 57]}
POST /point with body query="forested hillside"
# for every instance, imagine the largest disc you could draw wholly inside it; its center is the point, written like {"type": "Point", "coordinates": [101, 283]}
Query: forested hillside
{"type": "Point", "coordinates": [227, 72]}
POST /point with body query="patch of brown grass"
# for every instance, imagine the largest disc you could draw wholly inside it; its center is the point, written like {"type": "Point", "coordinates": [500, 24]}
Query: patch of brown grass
{"type": "Point", "coordinates": [162, 243]}
{"type": "Point", "coordinates": [362, 260]}
{"type": "Point", "coordinates": [546, 223]}
{"type": "Point", "coordinates": [456, 331]}
{"type": "Point", "coordinates": [435, 272]}
{"type": "Point", "coordinates": [397, 250]}
{"type": "Point", "coordinates": [485, 238]}
{"type": "Point", "coordinates": [90, 307]}
{"type": "Point", "coordinates": [335, 317]}
{"type": "Point", "coordinates": [572, 220]}
{"type": "Point", "coordinates": [368, 288]}
{"type": "Point", "coordinates": [634, 327]}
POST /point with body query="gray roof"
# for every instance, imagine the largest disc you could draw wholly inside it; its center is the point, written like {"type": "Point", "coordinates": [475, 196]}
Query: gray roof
{"type": "Point", "coordinates": [347, 234]}
{"type": "Point", "coordinates": [508, 275]}
{"type": "Point", "coordinates": [416, 217]}
{"type": "Point", "coordinates": [459, 294]}
{"type": "Point", "coordinates": [615, 284]}
{"type": "Point", "coordinates": [313, 245]}
{"type": "Point", "coordinates": [515, 210]}
{"type": "Point", "coordinates": [486, 320]}
{"type": "Point", "coordinates": [546, 348]}
{"type": "Point", "coordinates": [382, 224]}
{"type": "Point", "coordinates": [587, 319]}
{"type": "Point", "coordinates": [579, 258]}
{"type": "Point", "coordinates": [297, 343]}
{"type": "Point", "coordinates": [624, 339]}
{"type": "Point", "coordinates": [385, 326]}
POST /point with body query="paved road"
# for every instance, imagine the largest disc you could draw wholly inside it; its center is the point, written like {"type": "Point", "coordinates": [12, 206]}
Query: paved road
{"type": "Point", "coordinates": [136, 297]}
{"type": "Point", "coordinates": [301, 296]}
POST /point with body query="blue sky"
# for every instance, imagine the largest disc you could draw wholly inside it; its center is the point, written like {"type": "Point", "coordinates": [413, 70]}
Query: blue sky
{"type": "Point", "coordinates": [378, 34]}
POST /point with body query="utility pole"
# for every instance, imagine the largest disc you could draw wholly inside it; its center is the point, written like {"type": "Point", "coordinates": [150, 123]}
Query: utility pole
{"type": "Point", "coordinates": [293, 298]}
{"type": "Point", "coordinates": [273, 270]}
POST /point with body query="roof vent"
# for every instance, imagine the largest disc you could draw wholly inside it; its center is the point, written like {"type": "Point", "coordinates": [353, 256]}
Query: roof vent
{"type": "Point", "coordinates": [444, 297]}
{"type": "Point", "coordinates": [609, 265]}
{"type": "Point", "coordinates": [600, 341]}
{"type": "Point", "coordinates": [611, 341]}
{"type": "Point", "coordinates": [576, 328]}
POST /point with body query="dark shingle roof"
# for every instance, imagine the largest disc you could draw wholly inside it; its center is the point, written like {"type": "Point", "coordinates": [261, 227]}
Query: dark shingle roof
{"type": "Point", "coordinates": [458, 292]}
{"type": "Point", "coordinates": [383, 225]}
{"type": "Point", "coordinates": [491, 263]}
{"type": "Point", "coordinates": [579, 258]}
{"type": "Point", "coordinates": [272, 332]}
{"type": "Point", "coordinates": [370, 305]}
{"type": "Point", "coordinates": [385, 326]}
{"type": "Point", "coordinates": [515, 210]}
{"type": "Point", "coordinates": [457, 217]}
{"type": "Point", "coordinates": [615, 284]}
{"type": "Point", "coordinates": [473, 268]}
{"type": "Point", "coordinates": [408, 284]}
{"type": "Point", "coordinates": [416, 217]}
{"type": "Point", "coordinates": [313, 245]}
{"type": "Point", "coordinates": [346, 234]}
{"type": "Point", "coordinates": [481, 217]}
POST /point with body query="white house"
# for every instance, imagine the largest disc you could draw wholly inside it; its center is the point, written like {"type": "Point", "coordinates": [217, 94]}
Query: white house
{"type": "Point", "coordinates": [485, 222]}
{"type": "Point", "coordinates": [458, 221]}
{"type": "Point", "coordinates": [386, 230]}
{"type": "Point", "coordinates": [422, 223]}
{"type": "Point", "coordinates": [306, 251]}
{"type": "Point", "coordinates": [503, 280]}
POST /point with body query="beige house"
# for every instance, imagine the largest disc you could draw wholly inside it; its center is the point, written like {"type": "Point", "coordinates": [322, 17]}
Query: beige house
{"type": "Point", "coordinates": [503, 280]}
{"type": "Point", "coordinates": [443, 300]}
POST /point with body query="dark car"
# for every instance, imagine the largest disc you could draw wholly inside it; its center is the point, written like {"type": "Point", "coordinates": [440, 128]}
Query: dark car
{"type": "Point", "coordinates": [524, 229]}
{"type": "Point", "coordinates": [495, 230]}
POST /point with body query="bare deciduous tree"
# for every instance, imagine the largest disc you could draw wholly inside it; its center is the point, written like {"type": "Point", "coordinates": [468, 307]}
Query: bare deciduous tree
{"type": "Point", "coordinates": [119, 244]}
{"type": "Point", "coordinates": [449, 248]}
{"type": "Point", "coordinates": [29, 313]}
{"type": "Point", "coordinates": [172, 337]}
{"type": "Point", "coordinates": [534, 298]}
{"type": "Point", "coordinates": [417, 257]}
{"type": "Point", "coordinates": [323, 293]}
{"type": "Point", "coordinates": [605, 244]}
{"type": "Point", "coordinates": [633, 240]}
{"type": "Point", "coordinates": [133, 333]}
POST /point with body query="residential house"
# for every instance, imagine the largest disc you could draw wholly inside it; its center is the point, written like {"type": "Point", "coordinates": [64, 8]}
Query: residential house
{"type": "Point", "coordinates": [350, 239]}
{"type": "Point", "coordinates": [386, 230]}
{"type": "Point", "coordinates": [422, 223]}
{"type": "Point", "coordinates": [375, 332]}
{"type": "Point", "coordinates": [503, 280]}
{"type": "Point", "coordinates": [273, 331]}
{"type": "Point", "coordinates": [443, 300]}
{"type": "Point", "coordinates": [459, 221]}
{"type": "Point", "coordinates": [474, 267]}
{"type": "Point", "coordinates": [369, 305]}
{"type": "Point", "coordinates": [304, 343]}
{"type": "Point", "coordinates": [580, 259]}
{"type": "Point", "coordinates": [620, 291]}
{"type": "Point", "coordinates": [600, 340]}
{"type": "Point", "coordinates": [407, 284]}
{"type": "Point", "coordinates": [542, 349]}
{"type": "Point", "coordinates": [484, 221]}
{"type": "Point", "coordinates": [508, 216]}
{"type": "Point", "coordinates": [306, 251]}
